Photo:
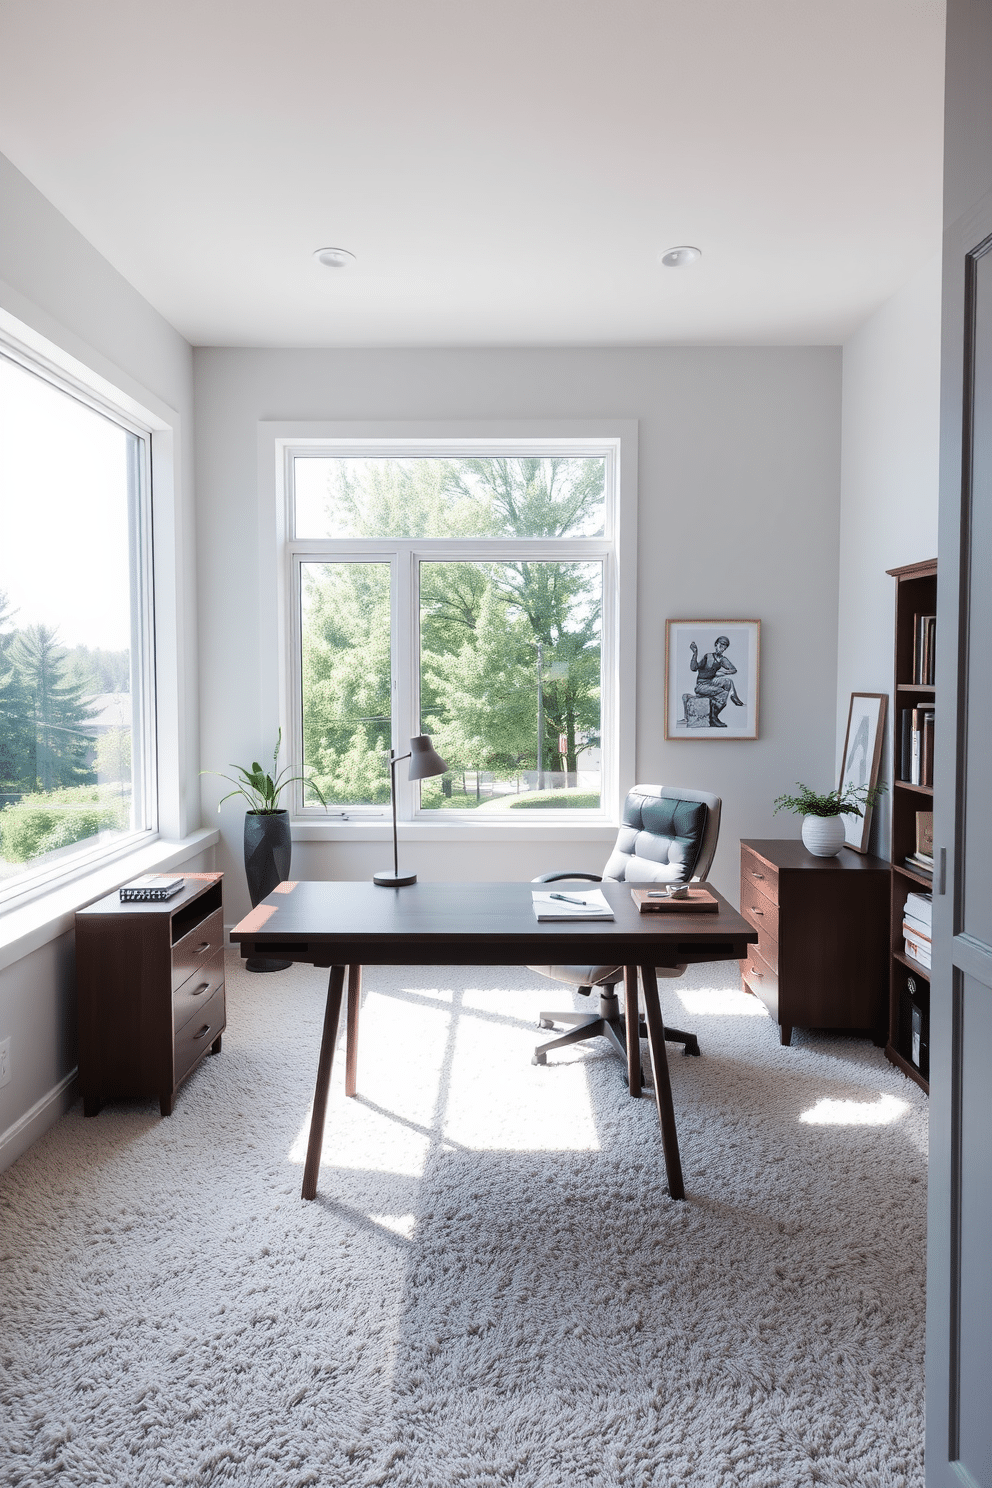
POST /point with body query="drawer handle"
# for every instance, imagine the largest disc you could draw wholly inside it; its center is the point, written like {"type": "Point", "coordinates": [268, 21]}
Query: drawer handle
{"type": "Point", "coordinates": [203, 946]}
{"type": "Point", "coordinates": [760, 912]}
{"type": "Point", "coordinates": [758, 875]}
{"type": "Point", "coordinates": [752, 971]}
{"type": "Point", "coordinates": [202, 1033]}
{"type": "Point", "coordinates": [201, 988]}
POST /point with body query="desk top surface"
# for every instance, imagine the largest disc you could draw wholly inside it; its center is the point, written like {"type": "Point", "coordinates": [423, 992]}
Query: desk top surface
{"type": "Point", "coordinates": [471, 923]}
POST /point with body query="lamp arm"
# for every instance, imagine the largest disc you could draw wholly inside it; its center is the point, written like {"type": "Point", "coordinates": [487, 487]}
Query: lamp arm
{"type": "Point", "coordinates": [394, 760]}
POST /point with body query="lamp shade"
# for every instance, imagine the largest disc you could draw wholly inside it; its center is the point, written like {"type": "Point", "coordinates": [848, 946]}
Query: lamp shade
{"type": "Point", "coordinates": [424, 759]}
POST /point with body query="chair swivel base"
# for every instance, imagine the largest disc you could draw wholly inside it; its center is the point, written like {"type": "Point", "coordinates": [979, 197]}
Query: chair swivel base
{"type": "Point", "coordinates": [609, 1024]}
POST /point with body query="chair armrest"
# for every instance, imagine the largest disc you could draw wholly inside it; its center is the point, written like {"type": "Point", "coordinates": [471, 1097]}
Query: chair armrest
{"type": "Point", "coordinates": [554, 877]}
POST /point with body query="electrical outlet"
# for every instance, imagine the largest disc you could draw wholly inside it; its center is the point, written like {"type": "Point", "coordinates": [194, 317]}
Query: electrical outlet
{"type": "Point", "coordinates": [5, 1061]}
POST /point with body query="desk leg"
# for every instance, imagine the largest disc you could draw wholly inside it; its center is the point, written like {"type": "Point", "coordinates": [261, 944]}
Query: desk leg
{"type": "Point", "coordinates": [354, 1006]}
{"type": "Point", "coordinates": [662, 1082]}
{"type": "Point", "coordinates": [332, 1013]}
{"type": "Point", "coordinates": [633, 1020]}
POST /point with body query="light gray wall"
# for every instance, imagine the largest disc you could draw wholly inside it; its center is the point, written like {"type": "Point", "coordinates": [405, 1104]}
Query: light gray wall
{"type": "Point", "coordinates": [889, 461]}
{"type": "Point", "coordinates": [55, 282]}
{"type": "Point", "coordinates": [738, 518]}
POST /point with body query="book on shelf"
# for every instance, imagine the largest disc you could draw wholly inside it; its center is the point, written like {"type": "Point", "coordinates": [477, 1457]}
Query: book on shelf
{"type": "Point", "coordinates": [916, 929]}
{"type": "Point", "coordinates": [924, 644]}
{"type": "Point", "coordinates": [905, 743]}
{"type": "Point", "coordinates": [916, 1034]}
{"type": "Point", "coordinates": [918, 949]}
{"type": "Point", "coordinates": [916, 742]}
{"type": "Point", "coordinates": [919, 863]}
{"type": "Point", "coordinates": [919, 907]}
{"type": "Point", "coordinates": [151, 887]}
{"type": "Point", "coordinates": [926, 746]}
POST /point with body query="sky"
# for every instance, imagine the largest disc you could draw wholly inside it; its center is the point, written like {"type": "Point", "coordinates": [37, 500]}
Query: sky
{"type": "Point", "coordinates": [63, 513]}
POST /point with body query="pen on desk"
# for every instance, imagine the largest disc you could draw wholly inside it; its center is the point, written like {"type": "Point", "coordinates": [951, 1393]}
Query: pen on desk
{"type": "Point", "coordinates": [568, 899]}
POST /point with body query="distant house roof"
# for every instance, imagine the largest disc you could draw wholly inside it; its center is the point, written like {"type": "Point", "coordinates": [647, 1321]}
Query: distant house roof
{"type": "Point", "coordinates": [111, 710]}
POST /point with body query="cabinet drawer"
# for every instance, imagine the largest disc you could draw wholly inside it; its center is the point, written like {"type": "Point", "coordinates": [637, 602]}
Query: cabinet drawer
{"type": "Point", "coordinates": [761, 980]}
{"type": "Point", "coordinates": [196, 1036]}
{"type": "Point", "coordinates": [759, 875]}
{"type": "Point", "coordinates": [197, 946]}
{"type": "Point", "coordinates": [767, 949]}
{"type": "Point", "coordinates": [761, 911]}
{"type": "Point", "coordinates": [197, 990]}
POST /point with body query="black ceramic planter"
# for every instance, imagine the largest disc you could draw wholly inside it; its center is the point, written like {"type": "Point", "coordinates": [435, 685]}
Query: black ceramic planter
{"type": "Point", "coordinates": [268, 854]}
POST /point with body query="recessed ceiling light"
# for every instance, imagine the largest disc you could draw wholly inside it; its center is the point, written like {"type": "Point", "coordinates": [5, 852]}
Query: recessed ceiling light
{"type": "Point", "coordinates": [334, 258]}
{"type": "Point", "coordinates": [681, 257]}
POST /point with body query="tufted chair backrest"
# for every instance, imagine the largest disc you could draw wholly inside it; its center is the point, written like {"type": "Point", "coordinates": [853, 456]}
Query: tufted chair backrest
{"type": "Point", "coordinates": [668, 835]}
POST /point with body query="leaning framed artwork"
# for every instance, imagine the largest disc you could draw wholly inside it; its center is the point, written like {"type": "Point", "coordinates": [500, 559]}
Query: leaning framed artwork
{"type": "Point", "coordinates": [711, 679]}
{"type": "Point", "coordinates": [862, 759]}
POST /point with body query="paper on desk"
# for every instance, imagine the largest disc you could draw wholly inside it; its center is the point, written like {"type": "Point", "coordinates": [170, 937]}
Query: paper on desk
{"type": "Point", "coordinates": [594, 905]}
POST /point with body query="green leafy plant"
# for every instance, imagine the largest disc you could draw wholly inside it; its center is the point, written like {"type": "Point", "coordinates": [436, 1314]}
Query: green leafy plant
{"type": "Point", "coordinates": [261, 788]}
{"type": "Point", "coordinates": [852, 801]}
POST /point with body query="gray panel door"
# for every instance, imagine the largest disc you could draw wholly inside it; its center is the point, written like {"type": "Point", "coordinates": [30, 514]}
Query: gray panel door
{"type": "Point", "coordinates": [959, 1306]}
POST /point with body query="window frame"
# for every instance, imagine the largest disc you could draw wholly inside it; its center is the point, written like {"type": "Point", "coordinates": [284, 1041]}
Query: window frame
{"type": "Point", "coordinates": [42, 359]}
{"type": "Point", "coordinates": [283, 554]}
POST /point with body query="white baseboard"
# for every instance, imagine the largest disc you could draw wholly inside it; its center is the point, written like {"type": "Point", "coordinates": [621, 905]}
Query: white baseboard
{"type": "Point", "coordinates": [44, 1113]}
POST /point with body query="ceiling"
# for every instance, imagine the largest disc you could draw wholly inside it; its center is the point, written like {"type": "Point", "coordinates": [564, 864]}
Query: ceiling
{"type": "Point", "coordinates": [506, 171]}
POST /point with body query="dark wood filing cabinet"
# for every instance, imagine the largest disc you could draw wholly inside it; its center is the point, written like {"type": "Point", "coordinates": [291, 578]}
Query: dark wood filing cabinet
{"type": "Point", "coordinates": [823, 940]}
{"type": "Point", "coordinates": [150, 990]}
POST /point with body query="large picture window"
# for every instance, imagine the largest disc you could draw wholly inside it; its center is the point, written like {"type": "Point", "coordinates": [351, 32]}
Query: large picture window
{"type": "Point", "coordinates": [76, 766]}
{"type": "Point", "coordinates": [467, 593]}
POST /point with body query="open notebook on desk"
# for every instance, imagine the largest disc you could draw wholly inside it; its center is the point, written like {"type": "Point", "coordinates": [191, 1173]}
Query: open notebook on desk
{"type": "Point", "coordinates": [579, 904]}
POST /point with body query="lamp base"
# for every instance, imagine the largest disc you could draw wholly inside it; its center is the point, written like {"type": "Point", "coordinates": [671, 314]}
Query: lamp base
{"type": "Point", "coordinates": [394, 880]}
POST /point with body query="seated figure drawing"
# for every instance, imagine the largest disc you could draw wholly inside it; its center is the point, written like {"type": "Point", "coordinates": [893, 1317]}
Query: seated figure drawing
{"type": "Point", "coordinates": [714, 685]}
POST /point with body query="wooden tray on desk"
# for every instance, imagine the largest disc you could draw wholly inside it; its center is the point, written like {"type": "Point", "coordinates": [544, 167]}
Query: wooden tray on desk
{"type": "Point", "coordinates": [700, 901]}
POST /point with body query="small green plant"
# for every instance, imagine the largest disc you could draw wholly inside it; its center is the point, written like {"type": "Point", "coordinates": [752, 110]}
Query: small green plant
{"type": "Point", "coordinates": [262, 789]}
{"type": "Point", "coordinates": [852, 801]}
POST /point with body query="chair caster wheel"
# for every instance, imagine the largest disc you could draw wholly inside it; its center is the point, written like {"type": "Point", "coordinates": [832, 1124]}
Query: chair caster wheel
{"type": "Point", "coordinates": [545, 1023]}
{"type": "Point", "coordinates": [539, 1059]}
{"type": "Point", "coordinates": [691, 1049]}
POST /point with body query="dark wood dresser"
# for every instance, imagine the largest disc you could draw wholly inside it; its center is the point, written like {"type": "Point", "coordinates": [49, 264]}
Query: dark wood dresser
{"type": "Point", "coordinates": [150, 989]}
{"type": "Point", "coordinates": [823, 941]}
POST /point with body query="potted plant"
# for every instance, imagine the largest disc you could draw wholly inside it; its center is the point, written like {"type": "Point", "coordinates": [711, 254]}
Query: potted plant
{"type": "Point", "coordinates": [268, 842]}
{"type": "Point", "coordinates": [823, 829]}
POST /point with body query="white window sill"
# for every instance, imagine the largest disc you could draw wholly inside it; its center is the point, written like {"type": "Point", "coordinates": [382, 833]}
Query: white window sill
{"type": "Point", "coordinates": [452, 830]}
{"type": "Point", "coordinates": [25, 927]}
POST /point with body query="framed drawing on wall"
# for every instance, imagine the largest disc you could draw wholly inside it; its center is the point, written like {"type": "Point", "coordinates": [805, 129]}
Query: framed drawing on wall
{"type": "Point", "coordinates": [862, 758]}
{"type": "Point", "coordinates": [711, 679]}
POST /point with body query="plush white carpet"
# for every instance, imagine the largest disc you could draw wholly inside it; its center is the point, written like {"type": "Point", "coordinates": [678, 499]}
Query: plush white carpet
{"type": "Point", "coordinates": [493, 1287]}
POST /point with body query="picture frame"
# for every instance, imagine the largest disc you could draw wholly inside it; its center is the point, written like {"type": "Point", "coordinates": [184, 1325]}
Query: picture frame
{"type": "Point", "coordinates": [712, 672]}
{"type": "Point", "coordinates": [862, 758]}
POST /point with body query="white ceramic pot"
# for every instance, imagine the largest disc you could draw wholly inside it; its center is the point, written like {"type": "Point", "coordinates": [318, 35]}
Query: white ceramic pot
{"type": "Point", "coordinates": [823, 835]}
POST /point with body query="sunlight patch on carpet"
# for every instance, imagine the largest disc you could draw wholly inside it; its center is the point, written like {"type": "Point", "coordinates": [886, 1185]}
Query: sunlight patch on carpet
{"type": "Point", "coordinates": [721, 1002]}
{"type": "Point", "coordinates": [396, 1224]}
{"type": "Point", "coordinates": [881, 1112]}
{"type": "Point", "coordinates": [499, 1102]}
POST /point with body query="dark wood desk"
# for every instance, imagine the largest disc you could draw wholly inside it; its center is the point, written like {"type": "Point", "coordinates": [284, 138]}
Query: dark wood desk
{"type": "Point", "coordinates": [341, 925]}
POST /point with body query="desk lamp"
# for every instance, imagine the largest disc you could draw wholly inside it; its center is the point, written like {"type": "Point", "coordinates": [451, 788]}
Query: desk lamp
{"type": "Point", "coordinates": [424, 762]}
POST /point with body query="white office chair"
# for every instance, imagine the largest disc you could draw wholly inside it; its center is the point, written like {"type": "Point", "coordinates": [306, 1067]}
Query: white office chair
{"type": "Point", "coordinates": [669, 835]}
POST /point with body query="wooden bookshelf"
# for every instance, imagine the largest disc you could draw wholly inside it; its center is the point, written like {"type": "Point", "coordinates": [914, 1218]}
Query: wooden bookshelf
{"type": "Point", "coordinates": [909, 982]}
